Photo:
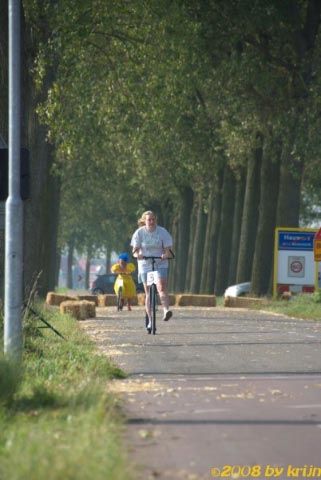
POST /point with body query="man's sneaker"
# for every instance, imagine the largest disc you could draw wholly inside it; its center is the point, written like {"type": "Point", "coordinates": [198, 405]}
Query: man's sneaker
{"type": "Point", "coordinates": [149, 328]}
{"type": "Point", "coordinates": [167, 316]}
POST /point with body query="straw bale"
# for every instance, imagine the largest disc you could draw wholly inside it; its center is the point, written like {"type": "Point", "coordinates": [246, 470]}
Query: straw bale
{"type": "Point", "coordinates": [107, 300]}
{"type": "Point", "coordinates": [141, 299]}
{"type": "Point", "coordinates": [243, 302]}
{"type": "Point", "coordinates": [185, 300]}
{"type": "Point", "coordinates": [172, 299]}
{"type": "Point", "coordinates": [134, 301]}
{"type": "Point", "coordinates": [110, 300]}
{"type": "Point", "coordinates": [56, 298]}
{"type": "Point", "coordinates": [70, 308]}
{"type": "Point", "coordinates": [80, 309]}
{"type": "Point", "coordinates": [88, 309]}
{"type": "Point", "coordinates": [90, 298]}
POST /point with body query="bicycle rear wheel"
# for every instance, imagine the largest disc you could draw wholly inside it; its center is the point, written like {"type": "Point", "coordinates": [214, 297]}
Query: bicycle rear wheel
{"type": "Point", "coordinates": [153, 307]}
{"type": "Point", "coordinates": [120, 299]}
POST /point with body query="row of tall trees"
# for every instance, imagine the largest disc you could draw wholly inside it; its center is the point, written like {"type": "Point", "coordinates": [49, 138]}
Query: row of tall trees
{"type": "Point", "coordinates": [205, 111]}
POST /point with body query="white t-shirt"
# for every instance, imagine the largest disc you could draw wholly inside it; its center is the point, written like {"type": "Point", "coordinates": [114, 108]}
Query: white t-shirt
{"type": "Point", "coordinates": [151, 244]}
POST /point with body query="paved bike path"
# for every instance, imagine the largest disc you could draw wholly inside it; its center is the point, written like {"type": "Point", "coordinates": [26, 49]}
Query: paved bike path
{"type": "Point", "coordinates": [216, 387]}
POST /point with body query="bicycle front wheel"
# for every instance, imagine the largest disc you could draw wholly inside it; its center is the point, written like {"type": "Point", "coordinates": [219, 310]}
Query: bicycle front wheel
{"type": "Point", "coordinates": [120, 299]}
{"type": "Point", "coordinates": [153, 307]}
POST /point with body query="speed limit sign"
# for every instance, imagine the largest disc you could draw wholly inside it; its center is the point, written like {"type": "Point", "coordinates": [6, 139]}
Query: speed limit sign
{"type": "Point", "coordinates": [296, 266]}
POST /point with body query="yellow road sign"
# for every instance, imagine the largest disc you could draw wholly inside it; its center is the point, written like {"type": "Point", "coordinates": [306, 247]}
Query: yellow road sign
{"type": "Point", "coordinates": [317, 246]}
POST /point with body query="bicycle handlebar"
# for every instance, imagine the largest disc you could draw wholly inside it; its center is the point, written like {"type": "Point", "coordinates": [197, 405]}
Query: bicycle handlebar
{"type": "Point", "coordinates": [157, 258]}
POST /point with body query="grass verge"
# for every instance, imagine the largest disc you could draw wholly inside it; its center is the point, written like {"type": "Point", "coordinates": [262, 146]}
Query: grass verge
{"type": "Point", "coordinates": [304, 306]}
{"type": "Point", "coordinates": [57, 420]}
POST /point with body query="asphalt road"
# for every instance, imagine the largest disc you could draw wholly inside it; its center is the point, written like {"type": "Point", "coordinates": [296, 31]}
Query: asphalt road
{"type": "Point", "coordinates": [217, 393]}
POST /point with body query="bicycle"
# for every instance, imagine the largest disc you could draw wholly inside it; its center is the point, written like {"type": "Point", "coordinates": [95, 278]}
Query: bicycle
{"type": "Point", "coordinates": [120, 300]}
{"type": "Point", "coordinates": [152, 278]}
{"type": "Point", "coordinates": [119, 288]}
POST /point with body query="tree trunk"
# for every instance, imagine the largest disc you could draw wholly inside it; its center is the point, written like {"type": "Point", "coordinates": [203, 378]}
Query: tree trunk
{"type": "Point", "coordinates": [87, 273]}
{"type": "Point", "coordinates": [205, 265]}
{"type": "Point", "coordinates": [288, 206]}
{"type": "Point", "coordinates": [237, 222]}
{"type": "Point", "coordinates": [212, 235]}
{"type": "Point", "coordinates": [58, 260]}
{"type": "Point", "coordinates": [167, 209]}
{"type": "Point", "coordinates": [70, 261]}
{"type": "Point", "coordinates": [41, 211]}
{"type": "Point", "coordinates": [173, 267]}
{"type": "Point", "coordinates": [264, 245]}
{"type": "Point", "coordinates": [108, 259]}
{"type": "Point", "coordinates": [198, 250]}
{"type": "Point", "coordinates": [189, 259]}
{"type": "Point", "coordinates": [249, 216]}
{"type": "Point", "coordinates": [41, 214]}
{"type": "Point", "coordinates": [225, 236]}
{"type": "Point", "coordinates": [183, 238]}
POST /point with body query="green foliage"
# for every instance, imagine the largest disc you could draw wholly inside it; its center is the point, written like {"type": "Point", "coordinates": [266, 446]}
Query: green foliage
{"type": "Point", "coordinates": [150, 97]}
{"type": "Point", "coordinates": [316, 297]}
{"type": "Point", "coordinates": [310, 206]}
{"type": "Point", "coordinates": [137, 118]}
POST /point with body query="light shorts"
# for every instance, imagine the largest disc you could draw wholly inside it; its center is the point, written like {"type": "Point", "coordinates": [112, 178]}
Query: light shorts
{"type": "Point", "coordinates": [162, 273]}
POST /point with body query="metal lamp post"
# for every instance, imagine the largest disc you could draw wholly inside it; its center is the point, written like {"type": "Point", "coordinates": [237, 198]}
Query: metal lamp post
{"type": "Point", "coordinates": [14, 206]}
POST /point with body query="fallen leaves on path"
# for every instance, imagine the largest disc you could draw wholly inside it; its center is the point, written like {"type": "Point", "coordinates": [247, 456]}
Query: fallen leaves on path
{"type": "Point", "coordinates": [130, 386]}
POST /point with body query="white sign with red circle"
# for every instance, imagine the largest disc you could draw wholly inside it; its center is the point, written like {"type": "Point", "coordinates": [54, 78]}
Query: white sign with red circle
{"type": "Point", "coordinates": [296, 266]}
